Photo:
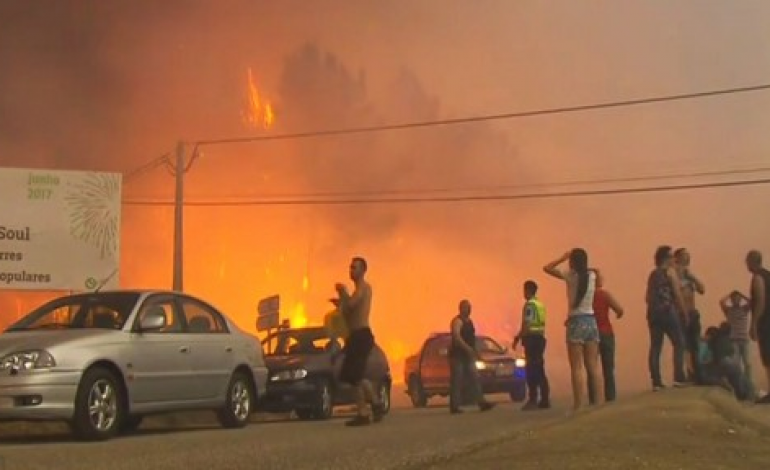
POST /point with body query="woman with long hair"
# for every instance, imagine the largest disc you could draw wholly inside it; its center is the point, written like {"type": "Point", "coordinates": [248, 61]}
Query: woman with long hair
{"type": "Point", "coordinates": [582, 330]}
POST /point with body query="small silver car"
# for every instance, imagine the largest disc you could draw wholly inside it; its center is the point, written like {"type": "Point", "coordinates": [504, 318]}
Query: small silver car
{"type": "Point", "coordinates": [101, 361]}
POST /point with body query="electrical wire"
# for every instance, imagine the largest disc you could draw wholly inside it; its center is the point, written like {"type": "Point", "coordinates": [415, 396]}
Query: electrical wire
{"type": "Point", "coordinates": [447, 199]}
{"type": "Point", "coordinates": [482, 118]}
{"type": "Point", "coordinates": [488, 117]}
{"type": "Point", "coordinates": [631, 179]}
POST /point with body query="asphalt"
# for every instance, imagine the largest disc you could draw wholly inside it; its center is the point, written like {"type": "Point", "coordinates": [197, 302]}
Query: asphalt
{"type": "Point", "coordinates": [407, 438]}
{"type": "Point", "coordinates": [677, 429]}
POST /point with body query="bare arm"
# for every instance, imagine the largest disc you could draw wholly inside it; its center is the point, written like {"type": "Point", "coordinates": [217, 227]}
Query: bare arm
{"type": "Point", "coordinates": [614, 305]}
{"type": "Point", "coordinates": [723, 303]}
{"type": "Point", "coordinates": [699, 286]}
{"type": "Point", "coordinates": [674, 278]}
{"type": "Point", "coordinates": [352, 302]}
{"type": "Point", "coordinates": [457, 325]}
{"type": "Point", "coordinates": [523, 328]}
{"type": "Point", "coordinates": [552, 268]}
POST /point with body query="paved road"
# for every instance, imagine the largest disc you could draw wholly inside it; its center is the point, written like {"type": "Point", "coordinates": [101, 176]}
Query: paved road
{"type": "Point", "coordinates": [406, 438]}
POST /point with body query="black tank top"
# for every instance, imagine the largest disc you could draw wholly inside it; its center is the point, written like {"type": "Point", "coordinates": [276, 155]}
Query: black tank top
{"type": "Point", "coordinates": [468, 334]}
{"type": "Point", "coordinates": [765, 274]}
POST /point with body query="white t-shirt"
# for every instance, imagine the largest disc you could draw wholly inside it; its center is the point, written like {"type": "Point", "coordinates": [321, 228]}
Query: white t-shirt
{"type": "Point", "coordinates": [586, 306]}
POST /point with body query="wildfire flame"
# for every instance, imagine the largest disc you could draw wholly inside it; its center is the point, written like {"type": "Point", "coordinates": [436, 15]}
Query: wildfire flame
{"type": "Point", "coordinates": [259, 113]}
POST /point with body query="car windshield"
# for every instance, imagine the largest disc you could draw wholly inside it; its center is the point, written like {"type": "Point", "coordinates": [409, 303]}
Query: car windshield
{"type": "Point", "coordinates": [485, 344]}
{"type": "Point", "coordinates": [108, 310]}
{"type": "Point", "coordinates": [300, 342]}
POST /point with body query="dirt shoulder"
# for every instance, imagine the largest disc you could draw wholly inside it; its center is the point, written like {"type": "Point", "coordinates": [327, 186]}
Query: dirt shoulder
{"type": "Point", "coordinates": [677, 429]}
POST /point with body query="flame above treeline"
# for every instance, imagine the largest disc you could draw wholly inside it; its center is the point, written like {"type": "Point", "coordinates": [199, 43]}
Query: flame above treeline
{"type": "Point", "coordinates": [259, 112]}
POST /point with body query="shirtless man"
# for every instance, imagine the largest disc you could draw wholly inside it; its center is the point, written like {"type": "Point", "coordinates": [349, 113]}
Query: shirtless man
{"type": "Point", "coordinates": [359, 344]}
{"type": "Point", "coordinates": [691, 325]}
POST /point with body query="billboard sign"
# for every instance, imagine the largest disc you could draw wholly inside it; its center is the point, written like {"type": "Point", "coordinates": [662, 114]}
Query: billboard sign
{"type": "Point", "coordinates": [59, 230]}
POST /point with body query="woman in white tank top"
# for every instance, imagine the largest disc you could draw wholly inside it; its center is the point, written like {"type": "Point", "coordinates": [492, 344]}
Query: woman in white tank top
{"type": "Point", "coordinates": [582, 331]}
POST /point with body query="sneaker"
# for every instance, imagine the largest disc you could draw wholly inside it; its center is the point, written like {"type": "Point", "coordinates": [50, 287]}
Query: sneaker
{"type": "Point", "coordinates": [544, 405]}
{"type": "Point", "coordinates": [486, 406]}
{"type": "Point", "coordinates": [658, 388]}
{"type": "Point", "coordinates": [529, 406]}
{"type": "Point", "coordinates": [765, 400]}
{"type": "Point", "coordinates": [455, 411]}
{"type": "Point", "coordinates": [359, 420]}
{"type": "Point", "coordinates": [681, 384]}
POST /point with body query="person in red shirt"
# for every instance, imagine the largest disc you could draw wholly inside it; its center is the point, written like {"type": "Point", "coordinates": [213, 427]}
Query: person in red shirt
{"type": "Point", "coordinates": [604, 301]}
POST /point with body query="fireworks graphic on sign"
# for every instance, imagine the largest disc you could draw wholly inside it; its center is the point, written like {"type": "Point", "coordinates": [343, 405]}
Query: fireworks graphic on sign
{"type": "Point", "coordinates": [94, 208]}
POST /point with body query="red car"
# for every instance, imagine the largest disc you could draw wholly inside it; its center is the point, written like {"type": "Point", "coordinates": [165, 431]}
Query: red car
{"type": "Point", "coordinates": [427, 372]}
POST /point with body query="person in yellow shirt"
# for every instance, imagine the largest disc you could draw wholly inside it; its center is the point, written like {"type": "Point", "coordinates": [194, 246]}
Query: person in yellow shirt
{"type": "Point", "coordinates": [532, 336]}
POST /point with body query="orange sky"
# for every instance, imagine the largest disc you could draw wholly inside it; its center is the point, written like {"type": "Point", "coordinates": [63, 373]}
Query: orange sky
{"type": "Point", "coordinates": [111, 86]}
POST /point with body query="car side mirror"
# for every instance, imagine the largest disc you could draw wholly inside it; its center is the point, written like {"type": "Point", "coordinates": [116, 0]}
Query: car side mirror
{"type": "Point", "coordinates": [152, 322]}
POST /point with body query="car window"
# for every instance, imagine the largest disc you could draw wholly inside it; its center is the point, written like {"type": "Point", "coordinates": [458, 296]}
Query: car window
{"type": "Point", "coordinates": [164, 307]}
{"type": "Point", "coordinates": [437, 347]}
{"type": "Point", "coordinates": [93, 310]}
{"type": "Point", "coordinates": [202, 319]}
{"type": "Point", "coordinates": [301, 342]}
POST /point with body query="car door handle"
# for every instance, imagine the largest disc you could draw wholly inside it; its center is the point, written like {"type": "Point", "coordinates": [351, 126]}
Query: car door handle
{"type": "Point", "coordinates": [184, 349]}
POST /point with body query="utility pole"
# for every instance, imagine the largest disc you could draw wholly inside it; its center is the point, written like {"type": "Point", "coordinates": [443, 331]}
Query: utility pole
{"type": "Point", "coordinates": [178, 219]}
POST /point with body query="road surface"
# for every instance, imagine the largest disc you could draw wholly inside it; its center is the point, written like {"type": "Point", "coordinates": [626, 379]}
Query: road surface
{"type": "Point", "coordinates": [406, 438]}
{"type": "Point", "coordinates": [677, 429]}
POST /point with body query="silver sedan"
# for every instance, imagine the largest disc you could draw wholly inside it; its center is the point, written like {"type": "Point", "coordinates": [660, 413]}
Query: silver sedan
{"type": "Point", "coordinates": [101, 361]}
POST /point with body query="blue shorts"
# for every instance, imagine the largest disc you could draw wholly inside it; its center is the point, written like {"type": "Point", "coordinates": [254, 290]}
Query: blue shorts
{"type": "Point", "coordinates": [582, 329]}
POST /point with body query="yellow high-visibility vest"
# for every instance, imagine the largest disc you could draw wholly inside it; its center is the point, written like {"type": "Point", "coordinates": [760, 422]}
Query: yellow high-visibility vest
{"type": "Point", "coordinates": [537, 324]}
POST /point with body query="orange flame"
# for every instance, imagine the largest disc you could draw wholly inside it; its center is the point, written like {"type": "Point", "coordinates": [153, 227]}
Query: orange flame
{"type": "Point", "coordinates": [259, 113]}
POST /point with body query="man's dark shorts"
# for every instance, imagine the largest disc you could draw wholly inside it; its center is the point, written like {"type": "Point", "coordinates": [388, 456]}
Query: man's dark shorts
{"type": "Point", "coordinates": [358, 346]}
{"type": "Point", "coordinates": [763, 339]}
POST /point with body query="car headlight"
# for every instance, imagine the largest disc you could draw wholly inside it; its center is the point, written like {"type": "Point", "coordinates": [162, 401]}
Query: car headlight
{"type": "Point", "coordinates": [286, 375]}
{"type": "Point", "coordinates": [521, 362]}
{"type": "Point", "coordinates": [27, 360]}
{"type": "Point", "coordinates": [481, 365]}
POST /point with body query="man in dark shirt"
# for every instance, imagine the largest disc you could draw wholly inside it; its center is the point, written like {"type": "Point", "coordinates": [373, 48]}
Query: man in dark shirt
{"type": "Point", "coordinates": [462, 360]}
{"type": "Point", "coordinates": [760, 312]}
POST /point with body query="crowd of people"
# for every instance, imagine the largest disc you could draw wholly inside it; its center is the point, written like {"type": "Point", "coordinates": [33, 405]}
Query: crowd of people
{"type": "Point", "coordinates": [718, 356]}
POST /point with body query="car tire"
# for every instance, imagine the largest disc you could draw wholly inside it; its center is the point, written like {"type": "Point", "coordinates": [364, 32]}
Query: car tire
{"type": "Point", "coordinates": [236, 410]}
{"type": "Point", "coordinates": [416, 393]}
{"type": "Point", "coordinates": [519, 393]}
{"type": "Point", "coordinates": [383, 394]}
{"type": "Point", "coordinates": [131, 423]}
{"type": "Point", "coordinates": [101, 390]}
{"type": "Point", "coordinates": [324, 401]}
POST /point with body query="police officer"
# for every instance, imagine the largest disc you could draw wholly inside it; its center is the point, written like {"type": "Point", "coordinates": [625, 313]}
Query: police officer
{"type": "Point", "coordinates": [532, 337]}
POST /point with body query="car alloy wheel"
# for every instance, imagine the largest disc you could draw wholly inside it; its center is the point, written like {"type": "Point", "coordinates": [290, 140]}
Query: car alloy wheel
{"type": "Point", "coordinates": [384, 396]}
{"type": "Point", "coordinates": [99, 405]}
{"type": "Point", "coordinates": [237, 407]}
{"type": "Point", "coordinates": [240, 400]}
{"type": "Point", "coordinates": [102, 405]}
{"type": "Point", "coordinates": [325, 404]}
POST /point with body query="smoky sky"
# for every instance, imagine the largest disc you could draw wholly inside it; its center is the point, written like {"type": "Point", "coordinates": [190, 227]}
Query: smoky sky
{"type": "Point", "coordinates": [110, 85]}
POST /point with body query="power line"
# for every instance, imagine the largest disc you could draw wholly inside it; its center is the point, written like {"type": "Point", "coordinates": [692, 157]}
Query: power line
{"type": "Point", "coordinates": [482, 118]}
{"type": "Point", "coordinates": [165, 161]}
{"type": "Point", "coordinates": [631, 179]}
{"type": "Point", "coordinates": [149, 166]}
{"type": "Point", "coordinates": [445, 199]}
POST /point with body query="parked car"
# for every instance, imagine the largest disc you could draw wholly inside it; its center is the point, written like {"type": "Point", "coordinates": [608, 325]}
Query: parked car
{"type": "Point", "coordinates": [427, 372]}
{"type": "Point", "coordinates": [101, 361]}
{"type": "Point", "coordinates": [304, 366]}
